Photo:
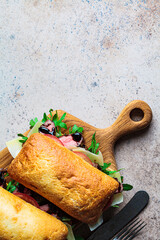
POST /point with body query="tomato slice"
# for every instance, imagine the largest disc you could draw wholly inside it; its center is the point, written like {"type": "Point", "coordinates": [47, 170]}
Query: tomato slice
{"type": "Point", "coordinates": [82, 155]}
{"type": "Point", "coordinates": [27, 198]}
{"type": "Point", "coordinates": [54, 138]}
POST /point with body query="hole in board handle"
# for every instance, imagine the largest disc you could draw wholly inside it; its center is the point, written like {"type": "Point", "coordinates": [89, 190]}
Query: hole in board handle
{"type": "Point", "coordinates": [136, 114]}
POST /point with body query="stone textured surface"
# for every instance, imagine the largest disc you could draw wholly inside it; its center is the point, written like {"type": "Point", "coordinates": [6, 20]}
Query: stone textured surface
{"type": "Point", "coordinates": [89, 58]}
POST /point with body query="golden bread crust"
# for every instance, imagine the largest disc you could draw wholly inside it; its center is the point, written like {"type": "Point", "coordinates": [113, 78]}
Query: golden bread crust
{"type": "Point", "coordinates": [63, 178]}
{"type": "Point", "coordinates": [20, 220]}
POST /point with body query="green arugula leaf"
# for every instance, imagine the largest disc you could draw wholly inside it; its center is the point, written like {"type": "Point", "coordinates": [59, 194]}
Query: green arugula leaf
{"type": "Point", "coordinates": [75, 129]}
{"type": "Point", "coordinates": [24, 138]}
{"type": "Point", "coordinates": [33, 122]}
{"type": "Point", "coordinates": [65, 219]}
{"type": "Point", "coordinates": [62, 125]}
{"type": "Point", "coordinates": [6, 175]}
{"type": "Point", "coordinates": [127, 187]}
{"type": "Point", "coordinates": [106, 165]}
{"type": "Point", "coordinates": [122, 179]}
{"type": "Point", "coordinates": [79, 238]}
{"type": "Point", "coordinates": [116, 206]}
{"type": "Point", "coordinates": [63, 117]}
{"type": "Point", "coordinates": [50, 111]}
{"type": "Point", "coordinates": [55, 117]}
{"type": "Point", "coordinates": [108, 172]}
{"type": "Point", "coordinates": [94, 146]}
{"type": "Point", "coordinates": [59, 124]}
{"type": "Point", "coordinates": [45, 118]}
{"type": "Point", "coordinates": [116, 171]}
{"type": "Point", "coordinates": [11, 187]}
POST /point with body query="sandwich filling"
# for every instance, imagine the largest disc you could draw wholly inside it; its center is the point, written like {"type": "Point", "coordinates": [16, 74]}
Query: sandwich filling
{"type": "Point", "coordinates": [51, 127]}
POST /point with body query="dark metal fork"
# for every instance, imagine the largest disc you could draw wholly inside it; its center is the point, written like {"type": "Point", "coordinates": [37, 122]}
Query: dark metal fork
{"type": "Point", "coordinates": [131, 230]}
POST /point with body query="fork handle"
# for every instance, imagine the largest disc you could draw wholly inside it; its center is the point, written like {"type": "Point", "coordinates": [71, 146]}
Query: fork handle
{"type": "Point", "coordinates": [121, 219]}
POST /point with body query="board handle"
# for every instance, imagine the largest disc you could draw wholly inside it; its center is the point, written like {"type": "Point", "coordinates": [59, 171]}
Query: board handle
{"type": "Point", "coordinates": [136, 116]}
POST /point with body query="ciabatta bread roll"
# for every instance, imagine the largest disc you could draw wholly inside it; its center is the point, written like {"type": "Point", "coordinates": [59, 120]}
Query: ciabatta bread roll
{"type": "Point", "coordinates": [20, 220]}
{"type": "Point", "coordinates": [63, 178]}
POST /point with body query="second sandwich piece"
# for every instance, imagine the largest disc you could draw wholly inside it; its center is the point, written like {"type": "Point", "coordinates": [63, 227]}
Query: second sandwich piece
{"type": "Point", "coordinates": [20, 220]}
{"type": "Point", "coordinates": [63, 178]}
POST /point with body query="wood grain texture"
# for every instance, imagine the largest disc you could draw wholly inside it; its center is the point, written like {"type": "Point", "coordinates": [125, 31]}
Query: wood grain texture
{"type": "Point", "coordinates": [106, 137]}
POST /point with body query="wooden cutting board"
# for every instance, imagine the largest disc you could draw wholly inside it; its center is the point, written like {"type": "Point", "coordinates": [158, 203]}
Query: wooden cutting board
{"type": "Point", "coordinates": [106, 137]}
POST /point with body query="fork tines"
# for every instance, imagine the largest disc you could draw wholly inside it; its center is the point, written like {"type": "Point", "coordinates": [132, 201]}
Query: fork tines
{"type": "Point", "coordinates": [131, 230]}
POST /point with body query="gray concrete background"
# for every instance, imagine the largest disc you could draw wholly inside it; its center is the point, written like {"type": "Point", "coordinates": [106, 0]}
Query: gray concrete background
{"type": "Point", "coordinates": [89, 58]}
